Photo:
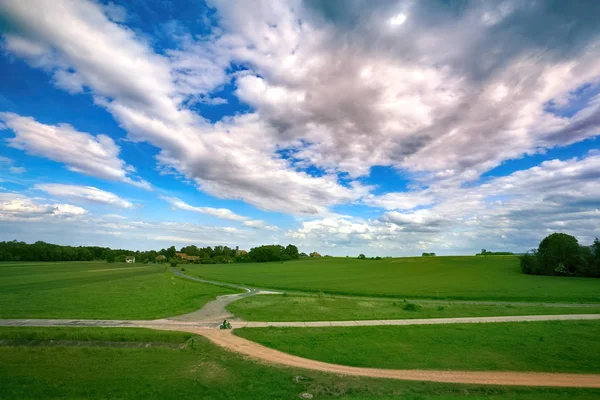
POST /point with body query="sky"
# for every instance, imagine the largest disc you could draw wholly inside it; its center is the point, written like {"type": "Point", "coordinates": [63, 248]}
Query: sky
{"type": "Point", "coordinates": [388, 128]}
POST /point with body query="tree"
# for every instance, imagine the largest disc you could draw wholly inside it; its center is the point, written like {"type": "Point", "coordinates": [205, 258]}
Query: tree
{"type": "Point", "coordinates": [561, 254]}
{"type": "Point", "coordinates": [559, 251]}
{"type": "Point", "coordinates": [361, 256]}
{"type": "Point", "coordinates": [110, 257]}
{"type": "Point", "coordinates": [292, 252]}
{"type": "Point", "coordinates": [173, 261]}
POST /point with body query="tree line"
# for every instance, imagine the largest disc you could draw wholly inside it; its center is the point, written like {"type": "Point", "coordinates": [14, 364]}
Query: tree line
{"type": "Point", "coordinates": [42, 251]}
{"type": "Point", "coordinates": [561, 254]}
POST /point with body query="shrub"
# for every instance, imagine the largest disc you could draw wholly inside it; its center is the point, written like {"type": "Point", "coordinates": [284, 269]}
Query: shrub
{"type": "Point", "coordinates": [529, 264]}
{"type": "Point", "coordinates": [410, 307]}
{"type": "Point", "coordinates": [173, 261]}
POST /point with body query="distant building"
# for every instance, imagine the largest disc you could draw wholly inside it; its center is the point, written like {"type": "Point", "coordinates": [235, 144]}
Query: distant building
{"type": "Point", "coordinates": [192, 258]}
{"type": "Point", "coordinates": [183, 256]}
{"type": "Point", "coordinates": [315, 254]}
{"type": "Point", "coordinates": [239, 252]}
{"type": "Point", "coordinates": [130, 259]}
{"type": "Point", "coordinates": [160, 258]}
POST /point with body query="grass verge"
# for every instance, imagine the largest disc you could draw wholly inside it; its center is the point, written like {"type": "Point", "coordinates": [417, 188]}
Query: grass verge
{"type": "Point", "coordinates": [274, 307]}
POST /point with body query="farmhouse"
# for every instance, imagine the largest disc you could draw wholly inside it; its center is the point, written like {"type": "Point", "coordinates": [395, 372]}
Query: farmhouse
{"type": "Point", "coordinates": [160, 258]}
{"type": "Point", "coordinates": [130, 259]}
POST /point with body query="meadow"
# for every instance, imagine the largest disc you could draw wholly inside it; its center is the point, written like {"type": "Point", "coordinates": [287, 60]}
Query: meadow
{"type": "Point", "coordinates": [201, 370]}
{"type": "Point", "coordinates": [466, 278]}
{"type": "Point", "coordinates": [98, 290]}
{"type": "Point", "coordinates": [273, 307]}
{"type": "Point", "coordinates": [550, 346]}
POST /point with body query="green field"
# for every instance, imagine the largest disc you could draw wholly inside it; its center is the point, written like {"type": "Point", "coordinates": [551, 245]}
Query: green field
{"type": "Point", "coordinates": [274, 307]}
{"type": "Point", "coordinates": [98, 290]}
{"type": "Point", "coordinates": [482, 278]}
{"type": "Point", "coordinates": [552, 346]}
{"type": "Point", "coordinates": [201, 371]}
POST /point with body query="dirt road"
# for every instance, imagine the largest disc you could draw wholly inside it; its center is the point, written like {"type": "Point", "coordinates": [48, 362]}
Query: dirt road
{"type": "Point", "coordinates": [254, 350]}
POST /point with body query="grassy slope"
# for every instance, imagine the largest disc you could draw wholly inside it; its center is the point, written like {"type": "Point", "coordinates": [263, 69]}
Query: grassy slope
{"type": "Point", "coordinates": [554, 346]}
{"type": "Point", "coordinates": [98, 290]}
{"type": "Point", "coordinates": [324, 308]}
{"type": "Point", "coordinates": [491, 278]}
{"type": "Point", "coordinates": [206, 372]}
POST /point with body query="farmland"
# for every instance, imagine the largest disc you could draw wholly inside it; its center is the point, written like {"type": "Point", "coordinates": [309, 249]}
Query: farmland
{"type": "Point", "coordinates": [468, 278]}
{"type": "Point", "coordinates": [98, 290]}
{"type": "Point", "coordinates": [199, 370]}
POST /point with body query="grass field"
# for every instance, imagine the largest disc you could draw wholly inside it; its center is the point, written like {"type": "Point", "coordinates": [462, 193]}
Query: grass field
{"type": "Point", "coordinates": [553, 346]}
{"type": "Point", "coordinates": [203, 371]}
{"type": "Point", "coordinates": [98, 290]}
{"type": "Point", "coordinates": [482, 278]}
{"type": "Point", "coordinates": [327, 308]}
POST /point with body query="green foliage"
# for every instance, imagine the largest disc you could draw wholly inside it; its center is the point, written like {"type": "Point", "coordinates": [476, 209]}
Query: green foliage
{"type": "Point", "coordinates": [486, 253]}
{"type": "Point", "coordinates": [273, 253]}
{"type": "Point", "coordinates": [428, 255]}
{"type": "Point", "coordinates": [514, 346]}
{"type": "Point", "coordinates": [121, 258]}
{"type": "Point", "coordinates": [174, 261]}
{"type": "Point", "coordinates": [110, 256]}
{"type": "Point", "coordinates": [42, 251]}
{"type": "Point", "coordinates": [361, 256]}
{"type": "Point", "coordinates": [561, 254]}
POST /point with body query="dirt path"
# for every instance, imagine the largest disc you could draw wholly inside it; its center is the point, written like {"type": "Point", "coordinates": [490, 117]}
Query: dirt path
{"type": "Point", "coordinates": [237, 344]}
{"type": "Point", "coordinates": [216, 310]}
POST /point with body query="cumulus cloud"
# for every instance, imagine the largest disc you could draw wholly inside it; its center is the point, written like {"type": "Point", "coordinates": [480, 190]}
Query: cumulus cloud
{"type": "Point", "coordinates": [81, 152]}
{"type": "Point", "coordinates": [17, 207]}
{"type": "Point", "coordinates": [222, 213]}
{"type": "Point", "coordinates": [84, 193]}
{"type": "Point", "coordinates": [235, 158]}
{"type": "Point", "coordinates": [340, 88]}
{"type": "Point", "coordinates": [510, 213]}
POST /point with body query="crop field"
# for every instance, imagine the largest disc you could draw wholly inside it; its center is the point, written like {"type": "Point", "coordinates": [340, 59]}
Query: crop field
{"type": "Point", "coordinates": [98, 290]}
{"type": "Point", "coordinates": [470, 278]}
{"type": "Point", "coordinates": [198, 370]}
{"type": "Point", "coordinates": [273, 307]}
{"type": "Point", "coordinates": [551, 346]}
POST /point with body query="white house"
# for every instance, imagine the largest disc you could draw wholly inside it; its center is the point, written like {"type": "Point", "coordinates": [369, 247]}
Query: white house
{"type": "Point", "coordinates": [130, 259]}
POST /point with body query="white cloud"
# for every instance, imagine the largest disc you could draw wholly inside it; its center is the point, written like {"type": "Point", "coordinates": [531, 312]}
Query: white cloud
{"type": "Point", "coordinates": [81, 152]}
{"type": "Point", "coordinates": [84, 193]}
{"type": "Point", "coordinates": [341, 95]}
{"type": "Point", "coordinates": [222, 213]}
{"type": "Point", "coordinates": [17, 170]}
{"type": "Point", "coordinates": [511, 213]}
{"type": "Point", "coordinates": [235, 158]}
{"type": "Point", "coordinates": [16, 207]}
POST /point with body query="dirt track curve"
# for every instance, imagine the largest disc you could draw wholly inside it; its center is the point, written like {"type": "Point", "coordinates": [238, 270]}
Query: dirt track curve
{"type": "Point", "coordinates": [254, 350]}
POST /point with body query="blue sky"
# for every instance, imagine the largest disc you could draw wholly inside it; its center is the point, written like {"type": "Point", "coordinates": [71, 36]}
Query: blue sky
{"type": "Point", "coordinates": [344, 128]}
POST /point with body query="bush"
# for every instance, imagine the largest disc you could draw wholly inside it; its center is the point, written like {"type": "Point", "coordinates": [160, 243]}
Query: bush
{"type": "Point", "coordinates": [361, 256]}
{"type": "Point", "coordinates": [182, 269]}
{"type": "Point", "coordinates": [529, 264]}
{"type": "Point", "coordinates": [173, 261]}
{"type": "Point", "coordinates": [410, 307]}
